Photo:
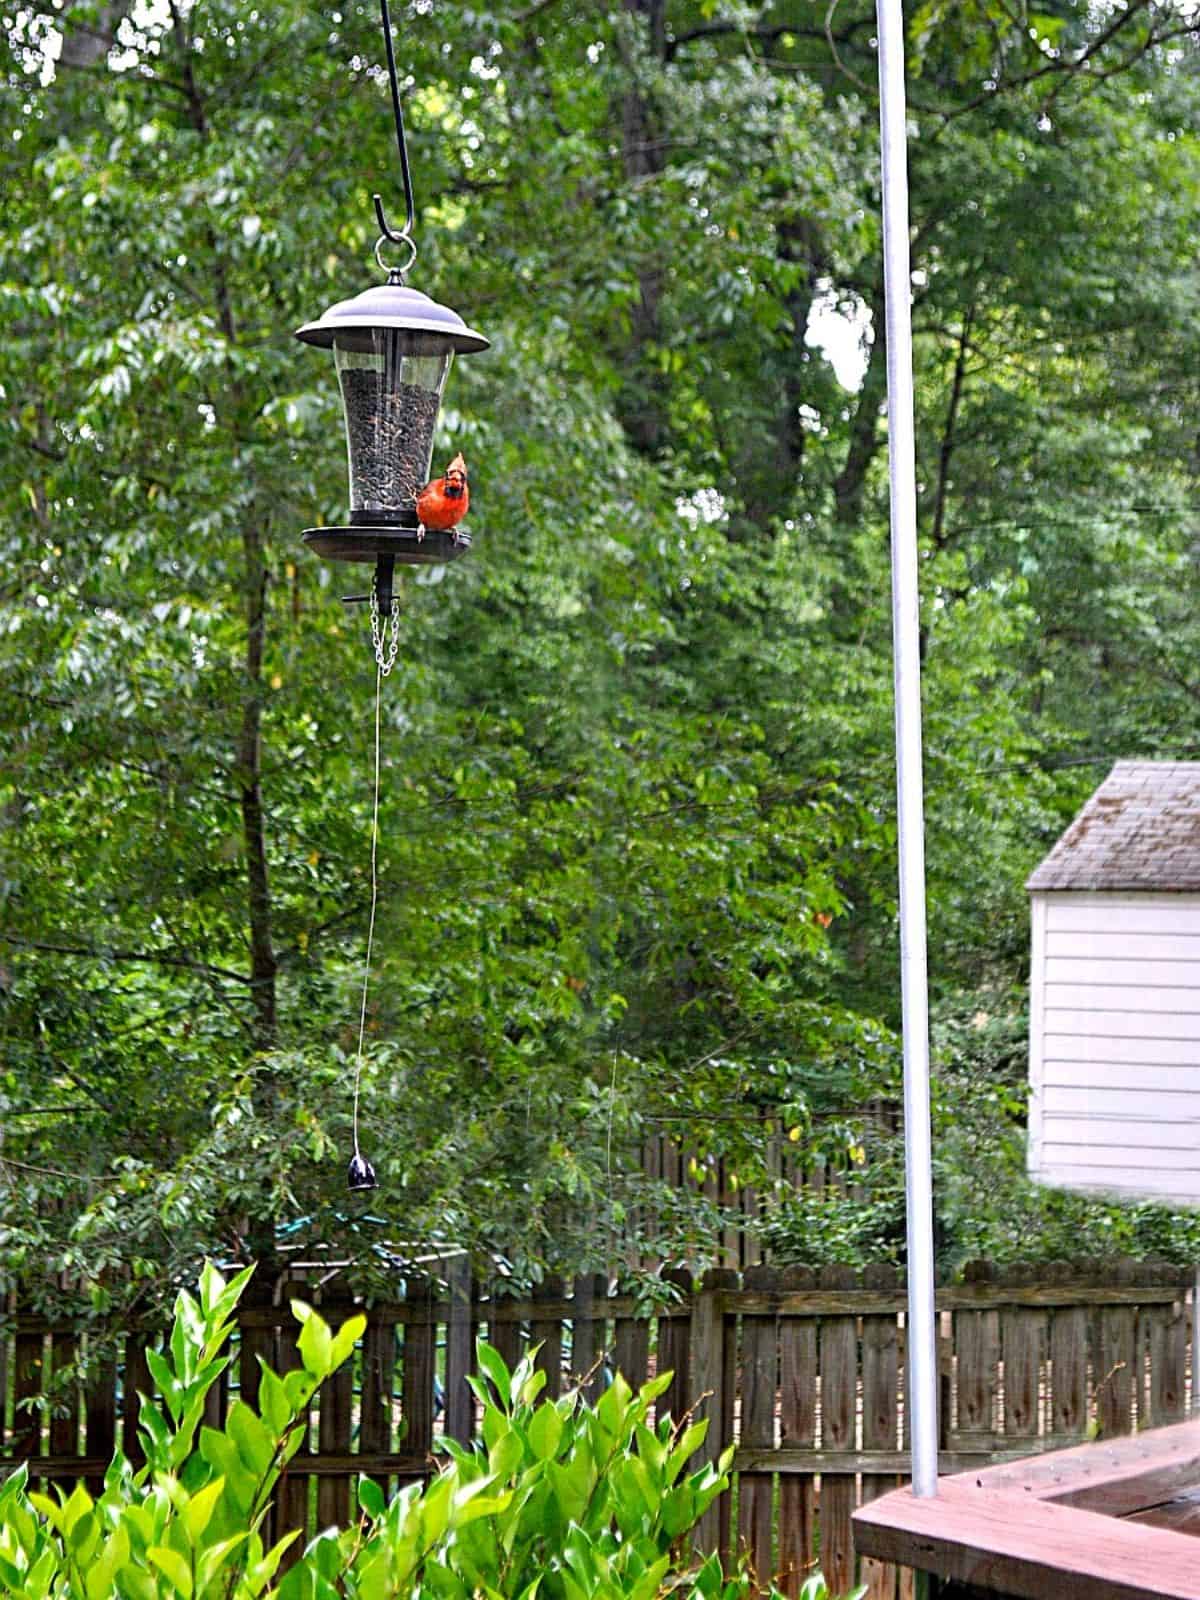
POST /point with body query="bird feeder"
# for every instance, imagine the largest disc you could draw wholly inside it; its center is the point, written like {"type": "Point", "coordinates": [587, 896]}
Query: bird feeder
{"type": "Point", "coordinates": [392, 346]}
{"type": "Point", "coordinates": [392, 349]}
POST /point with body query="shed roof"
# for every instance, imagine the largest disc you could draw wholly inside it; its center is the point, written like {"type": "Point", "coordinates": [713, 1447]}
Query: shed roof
{"type": "Point", "coordinates": [1140, 830]}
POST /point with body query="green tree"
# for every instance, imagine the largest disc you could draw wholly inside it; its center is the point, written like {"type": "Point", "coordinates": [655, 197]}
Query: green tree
{"type": "Point", "coordinates": [637, 819]}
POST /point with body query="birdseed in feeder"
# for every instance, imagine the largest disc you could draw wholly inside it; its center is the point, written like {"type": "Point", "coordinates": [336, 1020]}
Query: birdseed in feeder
{"type": "Point", "coordinates": [390, 435]}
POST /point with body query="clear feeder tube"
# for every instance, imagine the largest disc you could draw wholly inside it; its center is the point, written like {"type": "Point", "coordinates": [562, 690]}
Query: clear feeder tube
{"type": "Point", "coordinates": [391, 399]}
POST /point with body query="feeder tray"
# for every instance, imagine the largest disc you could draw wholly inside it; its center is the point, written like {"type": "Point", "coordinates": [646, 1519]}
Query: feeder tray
{"type": "Point", "coordinates": [400, 545]}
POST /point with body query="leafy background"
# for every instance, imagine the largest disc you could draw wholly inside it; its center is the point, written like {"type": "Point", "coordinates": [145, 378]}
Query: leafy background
{"type": "Point", "coordinates": [638, 829]}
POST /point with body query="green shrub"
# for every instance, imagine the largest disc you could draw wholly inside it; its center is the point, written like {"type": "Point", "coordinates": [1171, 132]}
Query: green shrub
{"type": "Point", "coordinates": [562, 1500]}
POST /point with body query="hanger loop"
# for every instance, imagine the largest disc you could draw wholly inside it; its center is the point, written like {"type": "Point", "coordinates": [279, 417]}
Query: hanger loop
{"type": "Point", "coordinates": [393, 271]}
{"type": "Point", "coordinates": [392, 235]}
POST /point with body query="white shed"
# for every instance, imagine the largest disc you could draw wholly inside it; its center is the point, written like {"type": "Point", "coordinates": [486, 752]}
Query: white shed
{"type": "Point", "coordinates": [1114, 1024]}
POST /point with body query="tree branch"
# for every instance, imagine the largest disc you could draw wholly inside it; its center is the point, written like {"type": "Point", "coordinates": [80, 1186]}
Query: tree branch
{"type": "Point", "coordinates": [158, 958]}
{"type": "Point", "coordinates": [1051, 68]}
{"type": "Point", "coordinates": [946, 450]}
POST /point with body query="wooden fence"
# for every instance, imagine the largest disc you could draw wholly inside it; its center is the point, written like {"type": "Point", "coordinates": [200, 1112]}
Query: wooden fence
{"type": "Point", "coordinates": [803, 1371]}
{"type": "Point", "coordinates": [745, 1207]}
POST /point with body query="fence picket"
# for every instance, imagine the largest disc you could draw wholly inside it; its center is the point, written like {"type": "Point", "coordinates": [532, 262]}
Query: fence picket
{"type": "Point", "coordinates": [378, 1376]}
{"type": "Point", "coordinates": [798, 1422]}
{"type": "Point", "coordinates": [136, 1381]}
{"type": "Point", "coordinates": [64, 1420]}
{"type": "Point", "coordinates": [258, 1339]}
{"type": "Point", "coordinates": [505, 1334]}
{"type": "Point", "coordinates": [706, 1392]}
{"type": "Point", "coordinates": [417, 1383]}
{"type": "Point", "coordinates": [1068, 1362]}
{"type": "Point", "coordinates": [674, 1339]}
{"type": "Point", "coordinates": [880, 1401]}
{"type": "Point", "coordinates": [547, 1330]}
{"type": "Point", "coordinates": [588, 1345]}
{"type": "Point", "coordinates": [1168, 1363]}
{"type": "Point", "coordinates": [334, 1422]}
{"type": "Point", "coordinates": [460, 1352]}
{"type": "Point", "coordinates": [839, 1384]}
{"type": "Point", "coordinates": [26, 1437]}
{"type": "Point", "coordinates": [100, 1401]}
{"type": "Point", "coordinates": [977, 1351]}
{"type": "Point", "coordinates": [760, 1345]}
{"type": "Point", "coordinates": [291, 1499]}
{"type": "Point", "coordinates": [1021, 1336]}
{"type": "Point", "coordinates": [1116, 1359]}
{"type": "Point", "coordinates": [631, 1349]}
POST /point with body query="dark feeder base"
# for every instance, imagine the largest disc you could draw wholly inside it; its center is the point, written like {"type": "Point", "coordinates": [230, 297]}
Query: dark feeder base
{"type": "Point", "coordinates": [388, 546]}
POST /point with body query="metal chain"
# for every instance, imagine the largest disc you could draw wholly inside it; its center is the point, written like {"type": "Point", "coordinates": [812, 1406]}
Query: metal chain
{"type": "Point", "coordinates": [386, 650]}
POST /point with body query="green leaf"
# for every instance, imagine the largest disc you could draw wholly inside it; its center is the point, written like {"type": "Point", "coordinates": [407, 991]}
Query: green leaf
{"type": "Point", "coordinates": [506, 1455]}
{"type": "Point", "coordinates": [197, 1512]}
{"type": "Point", "coordinates": [210, 1561]}
{"type": "Point", "coordinates": [315, 1345]}
{"type": "Point", "coordinates": [78, 1505]}
{"type": "Point", "coordinates": [491, 1363]}
{"type": "Point", "coordinates": [110, 1560]}
{"type": "Point", "coordinates": [545, 1431]}
{"type": "Point", "coordinates": [689, 1441]}
{"type": "Point", "coordinates": [345, 1339]}
{"type": "Point", "coordinates": [370, 1496]}
{"type": "Point", "coordinates": [176, 1569]}
{"type": "Point", "coordinates": [273, 1400]}
{"type": "Point", "coordinates": [254, 1444]}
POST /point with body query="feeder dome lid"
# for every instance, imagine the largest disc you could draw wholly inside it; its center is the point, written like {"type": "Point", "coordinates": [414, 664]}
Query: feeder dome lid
{"type": "Point", "coordinates": [395, 306]}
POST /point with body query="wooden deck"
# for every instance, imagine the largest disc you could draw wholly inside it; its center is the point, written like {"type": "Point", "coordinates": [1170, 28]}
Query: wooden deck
{"type": "Point", "coordinates": [1109, 1521]}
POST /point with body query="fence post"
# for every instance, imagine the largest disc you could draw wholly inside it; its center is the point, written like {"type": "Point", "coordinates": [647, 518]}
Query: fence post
{"type": "Point", "coordinates": [706, 1376]}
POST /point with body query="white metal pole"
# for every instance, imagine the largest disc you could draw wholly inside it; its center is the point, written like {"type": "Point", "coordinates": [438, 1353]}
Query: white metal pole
{"type": "Point", "coordinates": [922, 1326]}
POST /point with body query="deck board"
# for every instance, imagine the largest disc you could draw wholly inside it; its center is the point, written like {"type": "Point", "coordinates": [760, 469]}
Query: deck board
{"type": "Point", "coordinates": [1018, 1545]}
{"type": "Point", "coordinates": [1111, 1520]}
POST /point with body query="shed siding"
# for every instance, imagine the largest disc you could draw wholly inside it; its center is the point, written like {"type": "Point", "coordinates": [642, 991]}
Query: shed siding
{"type": "Point", "coordinates": [1114, 1043]}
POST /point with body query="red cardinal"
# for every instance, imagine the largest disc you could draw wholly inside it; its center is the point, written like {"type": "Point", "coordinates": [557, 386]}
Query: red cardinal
{"type": "Point", "coordinates": [442, 504]}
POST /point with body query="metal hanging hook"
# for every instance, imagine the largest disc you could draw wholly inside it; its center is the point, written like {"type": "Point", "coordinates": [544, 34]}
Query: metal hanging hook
{"type": "Point", "coordinates": [387, 232]}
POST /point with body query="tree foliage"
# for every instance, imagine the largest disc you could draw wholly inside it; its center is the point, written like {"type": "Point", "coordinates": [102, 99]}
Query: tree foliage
{"type": "Point", "coordinates": [637, 818]}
